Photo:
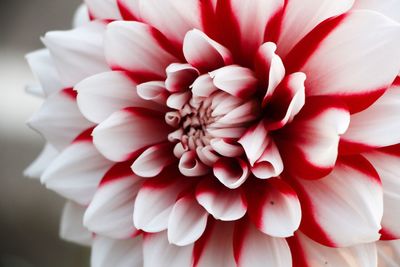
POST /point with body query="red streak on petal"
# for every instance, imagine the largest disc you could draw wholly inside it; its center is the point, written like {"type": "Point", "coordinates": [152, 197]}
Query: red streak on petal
{"type": "Point", "coordinates": [299, 55]}
{"type": "Point", "coordinates": [240, 231]}
{"type": "Point", "coordinates": [172, 48]}
{"type": "Point", "coordinates": [391, 150]}
{"type": "Point", "coordinates": [274, 26]}
{"type": "Point", "coordinates": [202, 242]}
{"type": "Point", "coordinates": [85, 136]}
{"type": "Point", "coordinates": [361, 164]}
{"type": "Point", "coordinates": [138, 76]}
{"type": "Point", "coordinates": [126, 13]}
{"type": "Point", "coordinates": [70, 92]}
{"type": "Point", "coordinates": [352, 148]}
{"type": "Point", "coordinates": [397, 81]}
{"type": "Point", "coordinates": [387, 235]}
{"type": "Point", "coordinates": [298, 255]}
{"type": "Point", "coordinates": [360, 101]}
{"type": "Point", "coordinates": [117, 171]}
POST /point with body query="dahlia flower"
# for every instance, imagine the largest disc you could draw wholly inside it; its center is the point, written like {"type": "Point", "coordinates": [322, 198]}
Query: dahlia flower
{"type": "Point", "coordinates": [225, 132]}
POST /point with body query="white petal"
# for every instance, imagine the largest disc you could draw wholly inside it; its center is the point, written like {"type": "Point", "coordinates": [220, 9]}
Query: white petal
{"type": "Point", "coordinates": [203, 86]}
{"type": "Point", "coordinates": [127, 131]}
{"type": "Point", "coordinates": [222, 203]}
{"type": "Point", "coordinates": [256, 249]}
{"type": "Point", "coordinates": [77, 53]}
{"type": "Point", "coordinates": [254, 142]}
{"type": "Point", "coordinates": [389, 8]}
{"type": "Point", "coordinates": [81, 16]}
{"type": "Point", "coordinates": [37, 167]}
{"type": "Point", "coordinates": [154, 91]}
{"type": "Point", "coordinates": [42, 65]}
{"type": "Point", "coordinates": [157, 251]}
{"type": "Point", "coordinates": [117, 253]}
{"type": "Point", "coordinates": [232, 172]}
{"type": "Point", "coordinates": [103, 9]}
{"type": "Point", "coordinates": [187, 222]}
{"type": "Point", "coordinates": [388, 253]}
{"type": "Point", "coordinates": [269, 164]}
{"type": "Point", "coordinates": [101, 95]}
{"type": "Point", "coordinates": [226, 148]}
{"type": "Point", "coordinates": [59, 119]}
{"type": "Point", "coordinates": [190, 165]}
{"type": "Point", "coordinates": [76, 172]}
{"type": "Point", "coordinates": [110, 211]}
{"type": "Point", "coordinates": [71, 227]}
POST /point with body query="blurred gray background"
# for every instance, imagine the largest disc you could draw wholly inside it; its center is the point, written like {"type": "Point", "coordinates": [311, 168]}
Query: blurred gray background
{"type": "Point", "coordinates": [29, 214]}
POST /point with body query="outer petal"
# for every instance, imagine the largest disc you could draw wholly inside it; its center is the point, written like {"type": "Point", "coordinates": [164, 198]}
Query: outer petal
{"type": "Point", "coordinates": [173, 18]}
{"type": "Point", "coordinates": [110, 211]}
{"type": "Point", "coordinates": [103, 9]}
{"type": "Point", "coordinates": [377, 126]}
{"type": "Point", "coordinates": [388, 253]}
{"type": "Point", "coordinates": [274, 207]}
{"type": "Point", "coordinates": [142, 46]}
{"type": "Point", "coordinates": [223, 203]}
{"type": "Point", "coordinates": [37, 167]}
{"type": "Point", "coordinates": [117, 253]}
{"type": "Point", "coordinates": [126, 132]}
{"type": "Point", "coordinates": [300, 17]}
{"type": "Point", "coordinates": [101, 95]}
{"type": "Point", "coordinates": [76, 172]}
{"type": "Point", "coordinates": [389, 8]}
{"type": "Point", "coordinates": [59, 119]}
{"type": "Point", "coordinates": [187, 222]}
{"type": "Point", "coordinates": [386, 161]}
{"type": "Point", "coordinates": [71, 228]}
{"type": "Point", "coordinates": [42, 65]}
{"type": "Point", "coordinates": [77, 53]}
{"type": "Point", "coordinates": [156, 200]}
{"type": "Point", "coordinates": [344, 208]}
{"type": "Point", "coordinates": [129, 9]}
{"type": "Point", "coordinates": [255, 249]}
{"type": "Point", "coordinates": [81, 16]}
{"type": "Point", "coordinates": [157, 251]}
{"type": "Point", "coordinates": [345, 37]}
{"type": "Point", "coordinates": [309, 145]}
{"type": "Point", "coordinates": [307, 253]}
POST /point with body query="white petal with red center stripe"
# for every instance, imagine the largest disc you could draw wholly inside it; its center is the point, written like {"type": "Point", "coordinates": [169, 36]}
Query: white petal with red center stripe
{"type": "Point", "coordinates": [156, 200]}
{"type": "Point", "coordinates": [344, 208]}
{"type": "Point", "coordinates": [59, 119]}
{"type": "Point", "coordinates": [110, 211]}
{"type": "Point", "coordinates": [117, 253]}
{"type": "Point", "coordinates": [77, 53]}
{"type": "Point", "coordinates": [256, 249]}
{"type": "Point", "coordinates": [215, 247]}
{"type": "Point", "coordinates": [300, 17]}
{"type": "Point", "coordinates": [309, 145]}
{"type": "Point", "coordinates": [101, 95]}
{"type": "Point", "coordinates": [173, 18]}
{"type": "Point", "coordinates": [103, 9]}
{"type": "Point", "coordinates": [187, 221]}
{"type": "Point", "coordinates": [204, 53]}
{"type": "Point", "coordinates": [344, 38]}
{"type": "Point", "coordinates": [153, 160]}
{"type": "Point", "coordinates": [180, 76]}
{"type": "Point", "coordinates": [129, 9]}
{"type": "Point", "coordinates": [71, 226]}
{"type": "Point", "coordinates": [231, 172]}
{"type": "Point", "coordinates": [378, 125]}
{"type": "Point", "coordinates": [274, 207]}
{"type": "Point", "coordinates": [223, 203]}
{"type": "Point", "coordinates": [386, 162]}
{"type": "Point", "coordinates": [269, 164]}
{"type": "Point", "coordinates": [76, 172]}
{"type": "Point", "coordinates": [42, 65]}
{"type": "Point", "coordinates": [255, 141]}
{"type": "Point", "coordinates": [127, 131]}
{"type": "Point", "coordinates": [143, 54]}
{"type": "Point", "coordinates": [307, 252]}
{"type": "Point", "coordinates": [157, 251]}
{"type": "Point", "coordinates": [235, 80]}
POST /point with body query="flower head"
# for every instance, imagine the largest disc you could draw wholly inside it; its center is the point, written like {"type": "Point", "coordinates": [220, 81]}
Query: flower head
{"type": "Point", "coordinates": [224, 133]}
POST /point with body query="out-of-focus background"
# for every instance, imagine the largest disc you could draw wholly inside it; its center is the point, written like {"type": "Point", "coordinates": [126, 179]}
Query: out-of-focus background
{"type": "Point", "coordinates": [29, 214]}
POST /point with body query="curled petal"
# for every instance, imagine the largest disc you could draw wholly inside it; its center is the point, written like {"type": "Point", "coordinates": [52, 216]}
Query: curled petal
{"type": "Point", "coordinates": [178, 100]}
{"type": "Point", "coordinates": [203, 86]}
{"type": "Point", "coordinates": [153, 91]}
{"type": "Point", "coordinates": [190, 165]}
{"type": "Point", "coordinates": [269, 164]}
{"type": "Point", "coordinates": [226, 148]}
{"type": "Point", "coordinates": [232, 172]}
{"type": "Point", "coordinates": [222, 203]}
{"type": "Point", "coordinates": [180, 77]}
{"type": "Point", "coordinates": [254, 142]}
{"type": "Point", "coordinates": [204, 53]}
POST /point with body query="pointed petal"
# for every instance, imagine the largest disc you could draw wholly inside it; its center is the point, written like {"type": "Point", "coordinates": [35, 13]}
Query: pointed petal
{"type": "Point", "coordinates": [59, 119]}
{"type": "Point", "coordinates": [103, 9]}
{"type": "Point", "coordinates": [110, 211]}
{"type": "Point", "coordinates": [256, 249]}
{"type": "Point", "coordinates": [71, 227]}
{"type": "Point", "coordinates": [222, 203]}
{"type": "Point", "coordinates": [76, 172]}
{"type": "Point", "coordinates": [157, 251]}
{"type": "Point", "coordinates": [77, 53]}
{"type": "Point", "coordinates": [204, 53]}
{"type": "Point", "coordinates": [187, 222]}
{"type": "Point", "coordinates": [350, 195]}
{"type": "Point", "coordinates": [309, 145]}
{"type": "Point", "coordinates": [274, 207]}
{"type": "Point", "coordinates": [117, 253]}
{"type": "Point", "coordinates": [143, 53]}
{"type": "Point", "coordinates": [37, 167]}
{"type": "Point", "coordinates": [128, 131]}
